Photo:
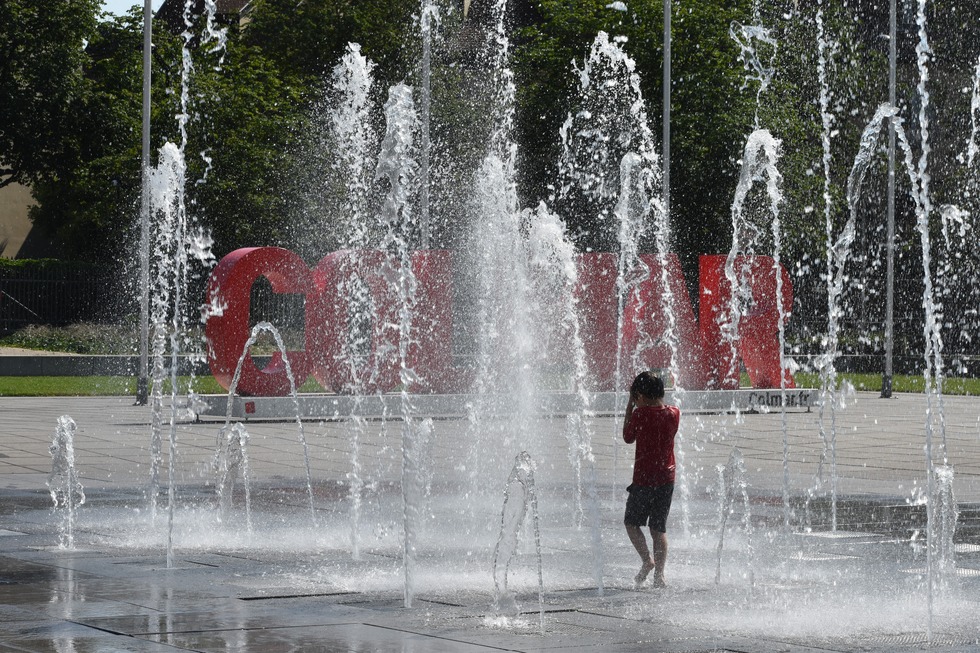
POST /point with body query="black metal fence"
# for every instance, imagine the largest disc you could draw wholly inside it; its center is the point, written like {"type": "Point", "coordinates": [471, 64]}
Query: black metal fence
{"type": "Point", "coordinates": [53, 294]}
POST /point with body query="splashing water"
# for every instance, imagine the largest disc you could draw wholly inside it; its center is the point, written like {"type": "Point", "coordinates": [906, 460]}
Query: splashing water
{"type": "Point", "coordinates": [234, 464]}
{"type": "Point", "coordinates": [826, 365]}
{"type": "Point", "coordinates": [223, 440]}
{"type": "Point", "coordinates": [352, 130]}
{"type": "Point", "coordinates": [932, 325]}
{"type": "Point", "coordinates": [943, 527]}
{"type": "Point", "coordinates": [752, 41]}
{"type": "Point", "coordinates": [166, 182]}
{"type": "Point", "coordinates": [354, 346]}
{"type": "Point", "coordinates": [971, 147]}
{"type": "Point", "coordinates": [553, 260]}
{"type": "Point", "coordinates": [919, 191]}
{"type": "Point", "coordinates": [66, 490]}
{"type": "Point", "coordinates": [213, 34]}
{"type": "Point", "coordinates": [397, 165]}
{"type": "Point", "coordinates": [504, 90]}
{"type": "Point", "coordinates": [508, 355]}
{"type": "Point", "coordinates": [838, 256]}
{"type": "Point", "coordinates": [731, 487]}
{"type": "Point", "coordinates": [429, 18]}
{"type": "Point", "coordinates": [177, 242]}
{"type": "Point", "coordinates": [631, 272]}
{"type": "Point", "coordinates": [518, 496]}
{"type": "Point", "coordinates": [954, 218]}
{"type": "Point", "coordinates": [534, 262]}
{"type": "Point", "coordinates": [759, 163]}
{"type": "Point", "coordinates": [609, 124]}
{"type": "Point", "coordinates": [610, 168]}
{"type": "Point", "coordinates": [526, 313]}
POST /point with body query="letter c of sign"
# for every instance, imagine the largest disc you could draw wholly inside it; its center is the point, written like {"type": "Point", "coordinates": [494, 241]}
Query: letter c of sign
{"type": "Point", "coordinates": [229, 330]}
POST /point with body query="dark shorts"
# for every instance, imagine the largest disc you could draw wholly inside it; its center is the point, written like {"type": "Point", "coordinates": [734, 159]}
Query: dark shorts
{"type": "Point", "coordinates": [649, 506]}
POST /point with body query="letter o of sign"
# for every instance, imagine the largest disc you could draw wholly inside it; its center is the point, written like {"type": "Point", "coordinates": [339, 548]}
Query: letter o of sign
{"type": "Point", "coordinates": [352, 306]}
{"type": "Point", "coordinates": [229, 289]}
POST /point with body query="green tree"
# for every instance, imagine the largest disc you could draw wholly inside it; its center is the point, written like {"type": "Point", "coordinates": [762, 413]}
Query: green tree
{"type": "Point", "coordinates": [89, 203]}
{"type": "Point", "coordinates": [711, 115]}
{"type": "Point", "coordinates": [254, 113]}
{"type": "Point", "coordinates": [249, 119]}
{"type": "Point", "coordinates": [305, 40]}
{"type": "Point", "coordinates": [41, 81]}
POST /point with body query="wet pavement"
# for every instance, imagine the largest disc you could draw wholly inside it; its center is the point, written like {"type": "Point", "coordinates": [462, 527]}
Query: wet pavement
{"type": "Point", "coordinates": [284, 575]}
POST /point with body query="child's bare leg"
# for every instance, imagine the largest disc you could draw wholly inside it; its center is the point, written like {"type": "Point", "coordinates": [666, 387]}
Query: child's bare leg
{"type": "Point", "coordinates": [659, 557]}
{"type": "Point", "coordinates": [640, 544]}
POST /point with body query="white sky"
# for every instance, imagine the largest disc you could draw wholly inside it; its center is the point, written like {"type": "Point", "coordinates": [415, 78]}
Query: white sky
{"type": "Point", "coordinates": [119, 7]}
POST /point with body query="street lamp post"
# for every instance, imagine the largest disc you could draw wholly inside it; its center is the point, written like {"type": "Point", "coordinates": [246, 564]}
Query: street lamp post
{"type": "Point", "coordinates": [886, 380]}
{"type": "Point", "coordinates": [426, 24]}
{"type": "Point", "coordinates": [142, 381]}
{"type": "Point", "coordinates": [666, 114]}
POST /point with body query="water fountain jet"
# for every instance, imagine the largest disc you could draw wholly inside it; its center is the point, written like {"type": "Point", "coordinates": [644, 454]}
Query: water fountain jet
{"type": "Point", "coordinates": [66, 490]}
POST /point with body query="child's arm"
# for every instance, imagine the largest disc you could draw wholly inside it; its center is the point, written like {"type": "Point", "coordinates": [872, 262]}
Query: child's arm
{"type": "Point", "coordinates": [630, 405]}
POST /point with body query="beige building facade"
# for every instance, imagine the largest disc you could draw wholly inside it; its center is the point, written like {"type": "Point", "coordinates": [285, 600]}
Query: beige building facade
{"type": "Point", "coordinates": [15, 226]}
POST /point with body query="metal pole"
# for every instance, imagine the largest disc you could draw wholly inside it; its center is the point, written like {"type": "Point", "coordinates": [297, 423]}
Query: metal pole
{"type": "Point", "coordinates": [426, 119]}
{"type": "Point", "coordinates": [666, 164]}
{"type": "Point", "coordinates": [142, 381]}
{"type": "Point", "coordinates": [886, 380]}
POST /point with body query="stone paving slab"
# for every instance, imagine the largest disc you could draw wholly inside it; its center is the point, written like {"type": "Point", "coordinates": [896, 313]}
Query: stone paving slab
{"type": "Point", "coordinates": [858, 590]}
{"type": "Point", "coordinates": [879, 444]}
{"type": "Point", "coordinates": [116, 605]}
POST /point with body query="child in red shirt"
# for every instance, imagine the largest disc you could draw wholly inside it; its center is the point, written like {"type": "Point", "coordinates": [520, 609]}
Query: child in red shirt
{"type": "Point", "coordinates": [652, 425]}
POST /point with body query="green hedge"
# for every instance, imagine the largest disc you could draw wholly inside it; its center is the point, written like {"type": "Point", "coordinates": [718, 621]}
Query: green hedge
{"type": "Point", "coordinates": [47, 269]}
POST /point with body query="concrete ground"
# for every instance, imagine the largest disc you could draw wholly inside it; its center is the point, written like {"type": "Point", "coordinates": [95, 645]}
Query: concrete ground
{"type": "Point", "coordinates": [290, 571]}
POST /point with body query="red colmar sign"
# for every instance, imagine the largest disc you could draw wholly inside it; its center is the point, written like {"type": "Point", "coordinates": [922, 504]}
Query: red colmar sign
{"type": "Point", "coordinates": [704, 357]}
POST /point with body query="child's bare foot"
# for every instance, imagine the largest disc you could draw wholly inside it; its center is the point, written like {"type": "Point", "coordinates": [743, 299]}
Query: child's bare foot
{"type": "Point", "coordinates": [659, 582]}
{"type": "Point", "coordinates": [641, 576]}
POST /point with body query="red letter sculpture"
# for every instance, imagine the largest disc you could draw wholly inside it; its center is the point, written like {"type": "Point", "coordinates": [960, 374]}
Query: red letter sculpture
{"type": "Point", "coordinates": [227, 331]}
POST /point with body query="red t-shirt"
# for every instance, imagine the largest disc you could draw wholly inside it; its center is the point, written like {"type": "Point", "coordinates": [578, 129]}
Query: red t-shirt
{"type": "Point", "coordinates": [653, 429]}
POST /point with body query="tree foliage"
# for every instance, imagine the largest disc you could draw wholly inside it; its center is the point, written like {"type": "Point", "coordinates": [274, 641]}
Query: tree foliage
{"type": "Point", "coordinates": [249, 117]}
{"type": "Point", "coordinates": [257, 111]}
{"type": "Point", "coordinates": [69, 116]}
{"type": "Point", "coordinates": [306, 39]}
{"type": "Point", "coordinates": [41, 59]}
{"type": "Point", "coordinates": [88, 205]}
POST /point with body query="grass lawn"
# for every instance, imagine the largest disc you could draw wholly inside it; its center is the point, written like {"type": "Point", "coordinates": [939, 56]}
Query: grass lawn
{"type": "Point", "coordinates": [900, 383]}
{"type": "Point", "coordinates": [95, 386]}
{"type": "Point", "coordinates": [102, 386]}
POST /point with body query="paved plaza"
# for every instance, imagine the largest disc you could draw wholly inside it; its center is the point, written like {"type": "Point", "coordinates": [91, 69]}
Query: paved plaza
{"type": "Point", "coordinates": [288, 571]}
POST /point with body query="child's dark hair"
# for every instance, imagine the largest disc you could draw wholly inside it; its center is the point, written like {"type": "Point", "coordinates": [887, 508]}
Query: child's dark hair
{"type": "Point", "coordinates": [648, 385]}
